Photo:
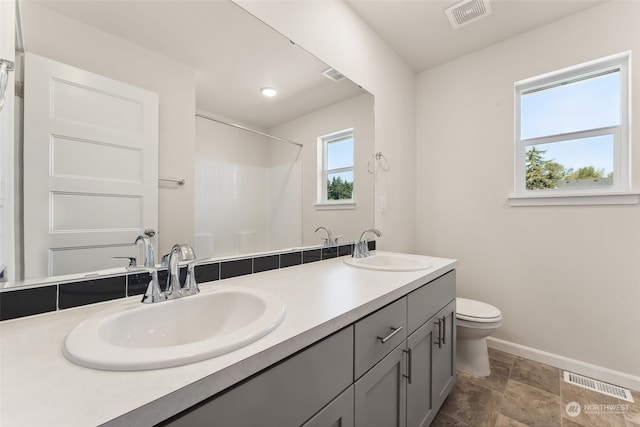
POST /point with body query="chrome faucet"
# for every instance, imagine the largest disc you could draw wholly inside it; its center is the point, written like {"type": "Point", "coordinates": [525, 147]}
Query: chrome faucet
{"type": "Point", "coordinates": [174, 289]}
{"type": "Point", "coordinates": [147, 246]}
{"type": "Point", "coordinates": [361, 248]}
{"type": "Point", "coordinates": [330, 240]}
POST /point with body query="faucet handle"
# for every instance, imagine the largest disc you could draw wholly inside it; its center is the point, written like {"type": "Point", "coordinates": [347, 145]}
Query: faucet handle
{"type": "Point", "coordinates": [133, 261]}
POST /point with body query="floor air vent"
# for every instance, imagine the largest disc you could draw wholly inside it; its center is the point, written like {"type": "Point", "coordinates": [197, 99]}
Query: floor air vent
{"type": "Point", "coordinates": [598, 386]}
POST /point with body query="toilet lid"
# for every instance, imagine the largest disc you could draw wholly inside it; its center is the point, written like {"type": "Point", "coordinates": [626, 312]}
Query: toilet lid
{"type": "Point", "coordinates": [476, 311]}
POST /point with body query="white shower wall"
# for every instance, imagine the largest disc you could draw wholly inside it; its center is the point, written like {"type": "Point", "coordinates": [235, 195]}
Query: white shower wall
{"type": "Point", "coordinates": [231, 217]}
{"type": "Point", "coordinates": [284, 206]}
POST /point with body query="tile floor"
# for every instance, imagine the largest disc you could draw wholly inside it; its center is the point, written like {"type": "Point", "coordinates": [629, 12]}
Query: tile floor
{"type": "Point", "coordinates": [520, 392]}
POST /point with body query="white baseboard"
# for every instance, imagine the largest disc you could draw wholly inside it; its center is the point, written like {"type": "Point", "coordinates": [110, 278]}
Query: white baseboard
{"type": "Point", "coordinates": [593, 371]}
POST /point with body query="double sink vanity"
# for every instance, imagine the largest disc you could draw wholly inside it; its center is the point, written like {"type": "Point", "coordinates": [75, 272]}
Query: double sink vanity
{"type": "Point", "coordinates": [360, 341]}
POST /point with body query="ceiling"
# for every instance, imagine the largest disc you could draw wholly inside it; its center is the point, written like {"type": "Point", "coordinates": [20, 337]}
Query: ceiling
{"type": "Point", "coordinates": [420, 32]}
{"type": "Point", "coordinates": [232, 53]}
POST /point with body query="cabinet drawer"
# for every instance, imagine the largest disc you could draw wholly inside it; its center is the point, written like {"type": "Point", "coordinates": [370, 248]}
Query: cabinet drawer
{"type": "Point", "coordinates": [379, 333]}
{"type": "Point", "coordinates": [284, 395]}
{"type": "Point", "coordinates": [425, 302]}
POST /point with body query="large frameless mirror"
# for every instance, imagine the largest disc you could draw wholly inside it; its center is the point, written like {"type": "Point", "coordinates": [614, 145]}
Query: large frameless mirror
{"type": "Point", "coordinates": [237, 172]}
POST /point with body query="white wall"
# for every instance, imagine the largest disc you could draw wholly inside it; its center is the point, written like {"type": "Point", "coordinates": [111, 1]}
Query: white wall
{"type": "Point", "coordinates": [331, 31]}
{"type": "Point", "coordinates": [65, 40]}
{"type": "Point", "coordinates": [567, 279]}
{"type": "Point", "coordinates": [356, 113]}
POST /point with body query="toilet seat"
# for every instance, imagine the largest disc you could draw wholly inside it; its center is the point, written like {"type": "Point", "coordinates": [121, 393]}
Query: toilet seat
{"type": "Point", "coordinates": [476, 311]}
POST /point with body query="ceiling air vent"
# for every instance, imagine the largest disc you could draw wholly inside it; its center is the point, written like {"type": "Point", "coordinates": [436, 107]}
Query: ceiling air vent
{"type": "Point", "coordinates": [467, 11]}
{"type": "Point", "coordinates": [333, 74]}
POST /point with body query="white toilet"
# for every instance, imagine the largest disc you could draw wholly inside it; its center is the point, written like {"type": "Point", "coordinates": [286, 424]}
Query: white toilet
{"type": "Point", "coordinates": [476, 321]}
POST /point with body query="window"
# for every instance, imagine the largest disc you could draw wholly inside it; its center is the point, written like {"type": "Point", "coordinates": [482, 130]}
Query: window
{"type": "Point", "coordinates": [572, 136]}
{"type": "Point", "coordinates": [335, 168]}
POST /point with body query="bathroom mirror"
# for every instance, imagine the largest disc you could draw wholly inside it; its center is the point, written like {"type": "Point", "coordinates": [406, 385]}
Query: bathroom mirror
{"type": "Point", "coordinates": [212, 58]}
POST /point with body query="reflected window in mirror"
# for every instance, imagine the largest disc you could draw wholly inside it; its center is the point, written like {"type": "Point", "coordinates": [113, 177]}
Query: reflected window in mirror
{"type": "Point", "coordinates": [336, 168]}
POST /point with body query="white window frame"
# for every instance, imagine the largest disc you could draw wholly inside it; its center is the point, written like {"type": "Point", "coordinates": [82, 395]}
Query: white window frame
{"type": "Point", "coordinates": [620, 191]}
{"type": "Point", "coordinates": [323, 172]}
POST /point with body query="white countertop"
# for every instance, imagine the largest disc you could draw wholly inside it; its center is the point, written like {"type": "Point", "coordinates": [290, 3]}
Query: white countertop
{"type": "Point", "coordinates": [40, 387]}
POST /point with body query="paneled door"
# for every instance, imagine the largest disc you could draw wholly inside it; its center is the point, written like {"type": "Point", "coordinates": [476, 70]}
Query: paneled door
{"type": "Point", "coordinates": [90, 168]}
{"type": "Point", "coordinates": [7, 82]}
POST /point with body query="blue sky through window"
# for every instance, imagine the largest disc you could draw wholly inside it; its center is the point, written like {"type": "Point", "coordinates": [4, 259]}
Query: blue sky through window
{"type": "Point", "coordinates": [340, 153]}
{"type": "Point", "coordinates": [581, 105]}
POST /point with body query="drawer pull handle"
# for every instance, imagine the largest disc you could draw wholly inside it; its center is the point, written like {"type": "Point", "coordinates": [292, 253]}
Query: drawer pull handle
{"type": "Point", "coordinates": [388, 337]}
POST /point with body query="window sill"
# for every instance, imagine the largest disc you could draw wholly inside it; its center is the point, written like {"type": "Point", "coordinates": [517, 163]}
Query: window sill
{"type": "Point", "coordinates": [623, 198]}
{"type": "Point", "coordinates": [335, 206]}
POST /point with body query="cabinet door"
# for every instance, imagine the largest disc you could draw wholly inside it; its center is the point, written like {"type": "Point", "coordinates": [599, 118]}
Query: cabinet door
{"type": "Point", "coordinates": [444, 354]}
{"type": "Point", "coordinates": [380, 395]}
{"type": "Point", "coordinates": [420, 404]}
{"type": "Point", "coordinates": [338, 413]}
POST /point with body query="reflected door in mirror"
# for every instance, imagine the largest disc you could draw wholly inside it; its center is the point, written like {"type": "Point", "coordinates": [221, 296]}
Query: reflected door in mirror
{"type": "Point", "coordinates": [90, 168]}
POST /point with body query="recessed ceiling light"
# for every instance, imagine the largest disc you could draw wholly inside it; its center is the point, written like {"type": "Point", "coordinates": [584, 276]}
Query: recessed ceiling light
{"type": "Point", "coordinates": [268, 91]}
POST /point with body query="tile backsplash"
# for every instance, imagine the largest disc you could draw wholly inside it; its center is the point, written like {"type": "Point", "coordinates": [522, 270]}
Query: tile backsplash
{"type": "Point", "coordinates": [22, 302]}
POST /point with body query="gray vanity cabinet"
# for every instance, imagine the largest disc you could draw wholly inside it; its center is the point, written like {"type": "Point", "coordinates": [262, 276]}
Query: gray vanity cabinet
{"type": "Point", "coordinates": [287, 394]}
{"type": "Point", "coordinates": [392, 368]}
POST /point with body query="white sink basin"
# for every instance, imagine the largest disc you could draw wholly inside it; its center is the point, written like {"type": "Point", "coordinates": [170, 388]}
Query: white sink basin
{"type": "Point", "coordinates": [390, 262]}
{"type": "Point", "coordinates": [172, 333]}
